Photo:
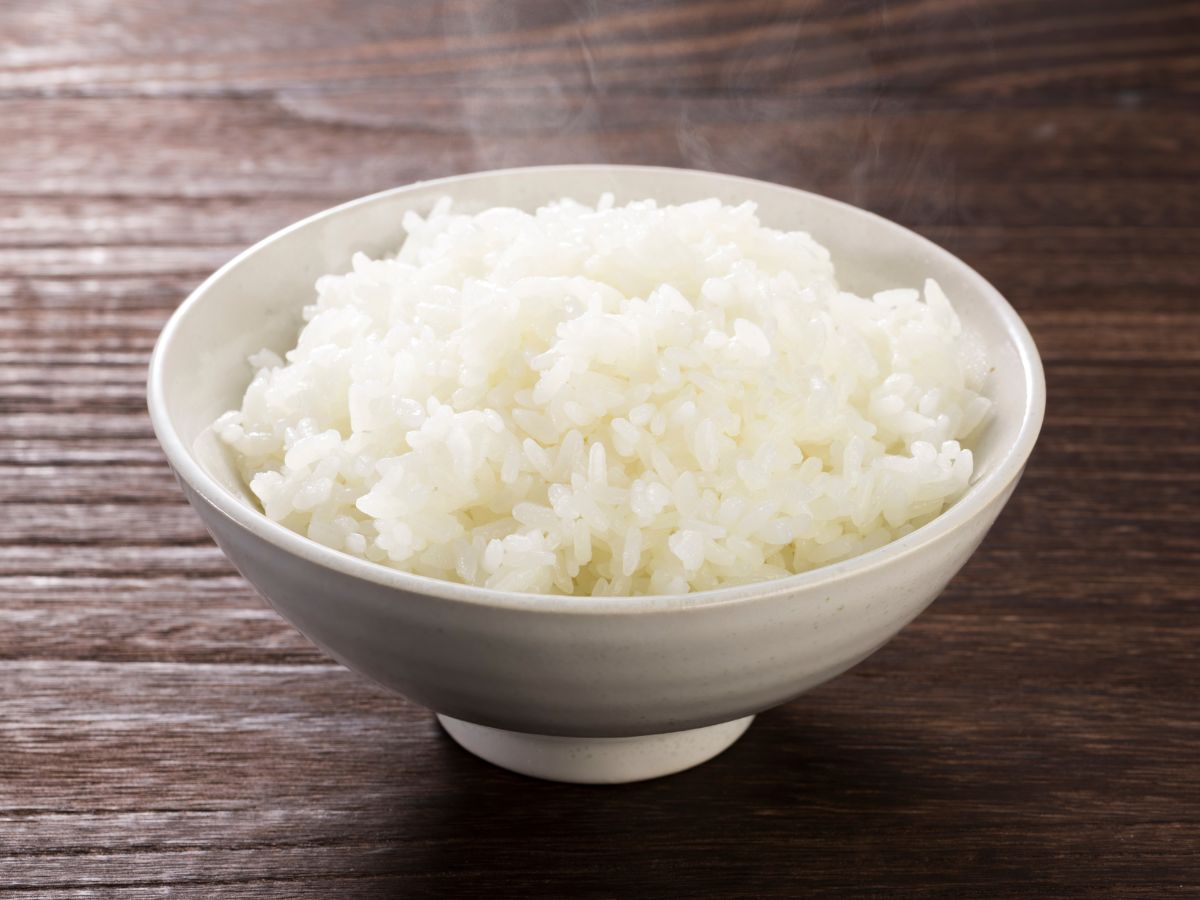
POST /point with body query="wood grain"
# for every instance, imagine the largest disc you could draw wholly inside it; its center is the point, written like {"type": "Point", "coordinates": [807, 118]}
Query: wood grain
{"type": "Point", "coordinates": [1035, 733]}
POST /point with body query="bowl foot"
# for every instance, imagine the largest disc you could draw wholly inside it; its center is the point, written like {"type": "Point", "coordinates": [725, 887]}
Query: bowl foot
{"type": "Point", "coordinates": [595, 760]}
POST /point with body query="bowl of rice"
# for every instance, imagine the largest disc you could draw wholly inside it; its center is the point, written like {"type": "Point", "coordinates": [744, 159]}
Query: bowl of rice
{"type": "Point", "coordinates": [597, 462]}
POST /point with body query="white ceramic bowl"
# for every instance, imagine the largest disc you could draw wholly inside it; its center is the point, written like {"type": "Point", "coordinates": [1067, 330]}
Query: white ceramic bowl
{"type": "Point", "coordinates": [576, 688]}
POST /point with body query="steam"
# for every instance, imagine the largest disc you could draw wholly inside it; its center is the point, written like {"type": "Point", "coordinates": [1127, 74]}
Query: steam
{"type": "Point", "coordinates": [538, 103]}
{"type": "Point", "coordinates": [758, 89]}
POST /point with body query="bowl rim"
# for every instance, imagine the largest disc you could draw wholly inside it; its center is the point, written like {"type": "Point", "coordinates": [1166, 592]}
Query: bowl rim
{"type": "Point", "coordinates": [975, 502]}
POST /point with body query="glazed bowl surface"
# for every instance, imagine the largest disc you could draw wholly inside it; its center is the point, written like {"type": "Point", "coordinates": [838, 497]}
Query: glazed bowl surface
{"type": "Point", "coordinates": [577, 667]}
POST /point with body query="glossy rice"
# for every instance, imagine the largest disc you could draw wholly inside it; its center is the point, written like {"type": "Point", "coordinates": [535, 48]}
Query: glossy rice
{"type": "Point", "coordinates": [605, 399]}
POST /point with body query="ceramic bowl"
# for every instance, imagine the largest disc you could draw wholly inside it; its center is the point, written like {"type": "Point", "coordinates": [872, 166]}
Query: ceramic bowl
{"type": "Point", "coordinates": [605, 689]}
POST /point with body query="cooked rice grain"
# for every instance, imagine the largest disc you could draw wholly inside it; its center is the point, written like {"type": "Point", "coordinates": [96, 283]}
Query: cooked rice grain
{"type": "Point", "coordinates": [609, 400]}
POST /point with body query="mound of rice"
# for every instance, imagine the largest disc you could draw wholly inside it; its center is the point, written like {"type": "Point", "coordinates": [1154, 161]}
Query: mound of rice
{"type": "Point", "coordinates": [609, 400]}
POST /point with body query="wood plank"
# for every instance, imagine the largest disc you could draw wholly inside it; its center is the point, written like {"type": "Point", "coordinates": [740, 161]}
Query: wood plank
{"type": "Point", "coordinates": [836, 769]}
{"type": "Point", "coordinates": [88, 484]}
{"type": "Point", "coordinates": [932, 47]}
{"type": "Point", "coordinates": [202, 560]}
{"type": "Point", "coordinates": [164, 733]}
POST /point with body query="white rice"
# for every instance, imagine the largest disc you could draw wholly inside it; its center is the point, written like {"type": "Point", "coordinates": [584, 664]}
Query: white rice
{"type": "Point", "coordinates": [609, 400]}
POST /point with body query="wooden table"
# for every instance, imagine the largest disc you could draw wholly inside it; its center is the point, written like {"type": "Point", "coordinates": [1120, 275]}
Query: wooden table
{"type": "Point", "coordinates": [1035, 732]}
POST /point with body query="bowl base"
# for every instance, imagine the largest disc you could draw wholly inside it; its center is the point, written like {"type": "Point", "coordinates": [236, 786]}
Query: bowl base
{"type": "Point", "coordinates": [595, 760]}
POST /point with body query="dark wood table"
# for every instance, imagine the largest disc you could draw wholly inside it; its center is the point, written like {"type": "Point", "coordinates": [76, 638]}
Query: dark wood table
{"type": "Point", "coordinates": [1036, 732]}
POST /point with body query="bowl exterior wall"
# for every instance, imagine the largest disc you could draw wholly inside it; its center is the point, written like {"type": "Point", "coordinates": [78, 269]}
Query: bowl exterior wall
{"type": "Point", "coordinates": [608, 675]}
{"type": "Point", "coordinates": [610, 670]}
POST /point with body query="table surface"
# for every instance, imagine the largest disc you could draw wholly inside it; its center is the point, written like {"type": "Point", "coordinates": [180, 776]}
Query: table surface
{"type": "Point", "coordinates": [1036, 731]}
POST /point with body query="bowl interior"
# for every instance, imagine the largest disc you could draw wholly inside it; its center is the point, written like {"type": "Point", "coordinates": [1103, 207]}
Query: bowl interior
{"type": "Point", "coordinates": [200, 367]}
